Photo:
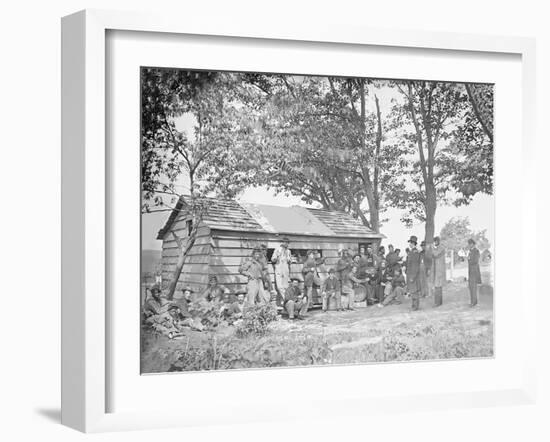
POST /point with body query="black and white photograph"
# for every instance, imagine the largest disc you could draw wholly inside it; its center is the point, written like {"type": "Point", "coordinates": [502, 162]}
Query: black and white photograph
{"type": "Point", "coordinates": [295, 220]}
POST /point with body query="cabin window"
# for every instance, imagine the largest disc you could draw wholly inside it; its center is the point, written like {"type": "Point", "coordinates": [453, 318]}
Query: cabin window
{"type": "Point", "coordinates": [189, 225]}
{"type": "Point", "coordinates": [300, 255]}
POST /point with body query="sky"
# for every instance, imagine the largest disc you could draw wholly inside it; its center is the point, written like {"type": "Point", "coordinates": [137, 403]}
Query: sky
{"type": "Point", "coordinates": [480, 211]}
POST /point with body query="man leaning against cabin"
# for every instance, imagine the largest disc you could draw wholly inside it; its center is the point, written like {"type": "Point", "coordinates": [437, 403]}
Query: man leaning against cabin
{"type": "Point", "coordinates": [295, 300]}
{"type": "Point", "coordinates": [413, 273]}
{"type": "Point", "coordinates": [253, 269]}
{"type": "Point", "coordinates": [474, 272]}
{"type": "Point", "coordinates": [282, 258]}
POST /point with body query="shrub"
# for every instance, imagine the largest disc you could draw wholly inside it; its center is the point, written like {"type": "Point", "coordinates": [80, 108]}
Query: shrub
{"type": "Point", "coordinates": [256, 320]}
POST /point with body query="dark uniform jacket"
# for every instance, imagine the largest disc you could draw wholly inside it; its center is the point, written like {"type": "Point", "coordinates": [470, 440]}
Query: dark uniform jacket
{"type": "Point", "coordinates": [413, 270]}
{"type": "Point", "coordinates": [293, 293]}
{"type": "Point", "coordinates": [331, 285]}
{"type": "Point", "coordinates": [474, 273]}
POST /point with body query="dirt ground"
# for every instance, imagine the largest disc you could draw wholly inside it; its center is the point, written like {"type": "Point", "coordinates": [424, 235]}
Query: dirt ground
{"type": "Point", "coordinates": [366, 335]}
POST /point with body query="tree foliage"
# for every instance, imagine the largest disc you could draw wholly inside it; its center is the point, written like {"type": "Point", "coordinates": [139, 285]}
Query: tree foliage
{"type": "Point", "coordinates": [452, 160]}
{"type": "Point", "coordinates": [457, 231]}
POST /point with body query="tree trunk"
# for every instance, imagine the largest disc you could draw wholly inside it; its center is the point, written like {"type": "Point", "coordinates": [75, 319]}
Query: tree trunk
{"type": "Point", "coordinates": [430, 208]}
{"type": "Point", "coordinates": [184, 250]}
{"type": "Point", "coordinates": [374, 216]}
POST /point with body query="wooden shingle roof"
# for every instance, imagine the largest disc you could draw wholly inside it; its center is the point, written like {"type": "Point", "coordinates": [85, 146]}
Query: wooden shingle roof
{"type": "Point", "coordinates": [245, 217]}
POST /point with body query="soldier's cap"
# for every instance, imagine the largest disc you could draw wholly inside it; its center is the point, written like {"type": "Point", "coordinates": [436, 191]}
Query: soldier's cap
{"type": "Point", "coordinates": [212, 277]}
{"type": "Point", "coordinates": [331, 270]}
{"type": "Point", "coordinates": [295, 279]}
{"type": "Point", "coordinates": [187, 289]}
{"type": "Point", "coordinates": [285, 239]}
{"type": "Point", "coordinates": [155, 288]}
{"type": "Point", "coordinates": [413, 239]}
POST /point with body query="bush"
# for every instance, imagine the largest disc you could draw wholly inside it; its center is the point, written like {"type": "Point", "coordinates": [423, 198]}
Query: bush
{"type": "Point", "coordinates": [256, 320]}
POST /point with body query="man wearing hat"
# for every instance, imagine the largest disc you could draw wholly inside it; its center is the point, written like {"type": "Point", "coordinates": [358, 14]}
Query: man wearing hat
{"type": "Point", "coordinates": [154, 305]}
{"type": "Point", "coordinates": [253, 269]}
{"type": "Point", "coordinates": [214, 292]}
{"type": "Point", "coordinates": [295, 300]}
{"type": "Point", "coordinates": [185, 302]}
{"type": "Point", "coordinates": [344, 264]}
{"type": "Point", "coordinates": [331, 289]}
{"type": "Point", "coordinates": [309, 270]}
{"type": "Point", "coordinates": [413, 272]}
{"type": "Point", "coordinates": [235, 310]}
{"type": "Point", "coordinates": [282, 258]}
{"type": "Point", "coordinates": [474, 272]}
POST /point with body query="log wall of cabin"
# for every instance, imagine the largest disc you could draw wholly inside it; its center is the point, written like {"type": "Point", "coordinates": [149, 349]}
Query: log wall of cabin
{"type": "Point", "coordinates": [195, 269]}
{"type": "Point", "coordinates": [230, 249]}
{"type": "Point", "coordinates": [222, 252]}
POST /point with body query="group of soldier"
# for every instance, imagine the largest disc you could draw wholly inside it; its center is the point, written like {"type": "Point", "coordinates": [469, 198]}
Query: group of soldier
{"type": "Point", "coordinates": [384, 278]}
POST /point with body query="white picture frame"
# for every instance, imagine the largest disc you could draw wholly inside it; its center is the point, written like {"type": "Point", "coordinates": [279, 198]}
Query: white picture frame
{"type": "Point", "coordinates": [85, 214]}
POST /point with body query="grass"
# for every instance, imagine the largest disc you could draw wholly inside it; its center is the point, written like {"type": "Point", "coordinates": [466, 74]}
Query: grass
{"type": "Point", "coordinates": [366, 335]}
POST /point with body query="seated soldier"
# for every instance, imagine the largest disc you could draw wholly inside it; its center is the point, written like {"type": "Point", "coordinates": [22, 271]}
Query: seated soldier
{"type": "Point", "coordinates": [214, 292]}
{"type": "Point", "coordinates": [235, 310]}
{"type": "Point", "coordinates": [154, 305]}
{"type": "Point", "coordinates": [295, 300]}
{"type": "Point", "coordinates": [349, 282]}
{"type": "Point", "coordinates": [395, 289]}
{"type": "Point", "coordinates": [331, 289]}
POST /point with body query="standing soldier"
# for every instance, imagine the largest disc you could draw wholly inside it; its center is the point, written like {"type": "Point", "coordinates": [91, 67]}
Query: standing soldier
{"type": "Point", "coordinates": [439, 271]}
{"type": "Point", "coordinates": [282, 258]}
{"type": "Point", "coordinates": [474, 273]}
{"type": "Point", "coordinates": [413, 272]}
{"type": "Point", "coordinates": [344, 264]}
{"type": "Point", "coordinates": [253, 269]}
{"type": "Point", "coordinates": [309, 270]}
{"type": "Point", "coordinates": [268, 285]}
{"type": "Point", "coordinates": [367, 269]}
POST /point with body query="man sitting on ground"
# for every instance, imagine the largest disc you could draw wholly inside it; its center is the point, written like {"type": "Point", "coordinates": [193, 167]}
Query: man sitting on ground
{"type": "Point", "coordinates": [154, 305]}
{"type": "Point", "coordinates": [395, 289]}
{"type": "Point", "coordinates": [234, 311]}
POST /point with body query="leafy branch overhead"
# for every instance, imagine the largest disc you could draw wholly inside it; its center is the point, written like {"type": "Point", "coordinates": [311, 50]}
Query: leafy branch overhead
{"type": "Point", "coordinates": [352, 144]}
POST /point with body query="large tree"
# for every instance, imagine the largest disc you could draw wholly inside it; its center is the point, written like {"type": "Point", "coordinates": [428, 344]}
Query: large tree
{"type": "Point", "coordinates": [439, 120]}
{"type": "Point", "coordinates": [190, 137]}
{"type": "Point", "coordinates": [323, 139]}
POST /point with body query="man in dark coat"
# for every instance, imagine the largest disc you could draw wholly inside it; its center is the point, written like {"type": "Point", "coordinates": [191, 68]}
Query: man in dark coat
{"type": "Point", "coordinates": [295, 300]}
{"type": "Point", "coordinates": [413, 272]}
{"type": "Point", "coordinates": [331, 289]}
{"type": "Point", "coordinates": [474, 273]}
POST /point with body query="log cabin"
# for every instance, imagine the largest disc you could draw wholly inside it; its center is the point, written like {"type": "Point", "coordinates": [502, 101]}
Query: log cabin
{"type": "Point", "coordinates": [229, 231]}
